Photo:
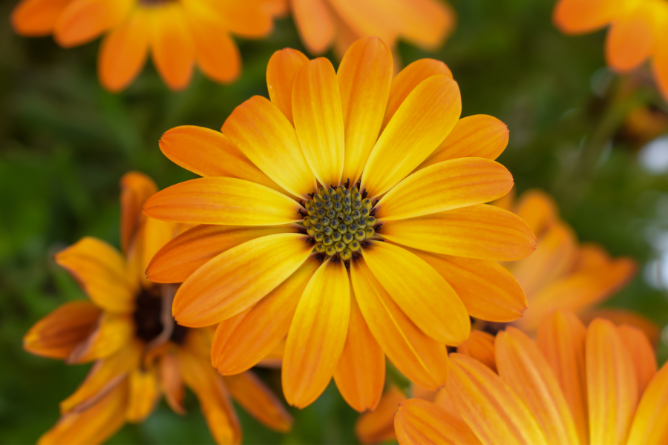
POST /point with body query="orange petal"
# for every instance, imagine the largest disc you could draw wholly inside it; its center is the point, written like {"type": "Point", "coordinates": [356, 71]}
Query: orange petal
{"type": "Point", "coordinates": [378, 425]}
{"type": "Point", "coordinates": [314, 23]}
{"type": "Point", "coordinates": [360, 374]}
{"type": "Point", "coordinates": [630, 39]}
{"type": "Point", "coordinates": [93, 425]}
{"type": "Point", "coordinates": [481, 231]}
{"type": "Point", "coordinates": [526, 371]}
{"type": "Point", "coordinates": [445, 186]}
{"type": "Point", "coordinates": [576, 17]}
{"type": "Point", "coordinates": [172, 45]}
{"type": "Point", "coordinates": [266, 137]}
{"type": "Point", "coordinates": [612, 385]}
{"type": "Point", "coordinates": [478, 136]}
{"type": "Point", "coordinates": [260, 402]}
{"type": "Point", "coordinates": [113, 332]}
{"type": "Point", "coordinates": [124, 51]}
{"type": "Point", "coordinates": [418, 356]}
{"type": "Point", "coordinates": [143, 395]}
{"type": "Point", "coordinates": [538, 209]}
{"type": "Point", "coordinates": [136, 188]}
{"type": "Point", "coordinates": [660, 62]}
{"type": "Point", "coordinates": [100, 271]}
{"type": "Point", "coordinates": [33, 18]}
{"type": "Point", "coordinates": [186, 253]}
{"type": "Point", "coordinates": [225, 201]}
{"type": "Point", "coordinates": [245, 19]}
{"type": "Point", "coordinates": [317, 335]}
{"type": "Point", "coordinates": [420, 422]}
{"type": "Point", "coordinates": [650, 424]}
{"type": "Point", "coordinates": [561, 340]}
{"type": "Point", "coordinates": [281, 72]}
{"type": "Point", "coordinates": [245, 339]}
{"type": "Point", "coordinates": [424, 23]}
{"type": "Point", "coordinates": [489, 406]}
{"type": "Point", "coordinates": [408, 79]}
{"type": "Point", "coordinates": [216, 53]}
{"type": "Point", "coordinates": [318, 117]}
{"type": "Point", "coordinates": [486, 288]}
{"type": "Point", "coordinates": [420, 124]}
{"type": "Point", "coordinates": [171, 382]}
{"type": "Point", "coordinates": [238, 278]}
{"type": "Point", "coordinates": [480, 346]}
{"type": "Point", "coordinates": [642, 354]}
{"type": "Point", "coordinates": [421, 293]}
{"type": "Point", "coordinates": [622, 316]}
{"type": "Point", "coordinates": [365, 77]}
{"type": "Point", "coordinates": [84, 20]}
{"type": "Point", "coordinates": [57, 334]}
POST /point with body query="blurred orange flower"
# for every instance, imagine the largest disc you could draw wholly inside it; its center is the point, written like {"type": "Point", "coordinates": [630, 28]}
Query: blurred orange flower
{"type": "Point", "coordinates": [323, 23]}
{"type": "Point", "coordinates": [348, 214]}
{"type": "Point", "coordinates": [177, 34]}
{"type": "Point", "coordinates": [574, 385]}
{"type": "Point", "coordinates": [637, 31]}
{"type": "Point", "coordinates": [139, 352]}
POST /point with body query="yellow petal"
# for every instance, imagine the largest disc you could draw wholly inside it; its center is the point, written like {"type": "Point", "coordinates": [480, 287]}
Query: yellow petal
{"type": "Point", "coordinates": [561, 340]}
{"type": "Point", "coordinates": [409, 78]}
{"type": "Point", "coordinates": [489, 406]}
{"type": "Point", "coordinates": [650, 424]}
{"type": "Point", "coordinates": [281, 72]}
{"type": "Point", "coordinates": [143, 395]}
{"type": "Point", "coordinates": [113, 331]}
{"type": "Point", "coordinates": [378, 425]}
{"type": "Point", "coordinates": [210, 153]}
{"type": "Point", "coordinates": [425, 297]}
{"type": "Point", "coordinates": [318, 117]}
{"type": "Point", "coordinates": [238, 278]}
{"type": "Point", "coordinates": [172, 45]}
{"type": "Point", "coordinates": [57, 334]}
{"type": "Point", "coordinates": [612, 386]}
{"type": "Point", "coordinates": [420, 124]}
{"type": "Point", "coordinates": [486, 288]}
{"type": "Point", "coordinates": [482, 231]}
{"type": "Point", "coordinates": [418, 356]}
{"type": "Point", "coordinates": [186, 253]}
{"type": "Point", "coordinates": [445, 186]}
{"type": "Point", "coordinates": [526, 371]}
{"type": "Point", "coordinates": [420, 422]}
{"type": "Point", "coordinates": [314, 23]}
{"type": "Point", "coordinates": [478, 136]}
{"type": "Point", "coordinates": [365, 77]}
{"type": "Point", "coordinates": [317, 335]}
{"type": "Point", "coordinates": [100, 271]}
{"type": "Point", "coordinates": [360, 374]}
{"type": "Point", "coordinates": [480, 346]}
{"type": "Point", "coordinates": [266, 137]}
{"type": "Point", "coordinates": [225, 201]}
{"type": "Point", "coordinates": [245, 339]}
{"type": "Point", "coordinates": [642, 354]}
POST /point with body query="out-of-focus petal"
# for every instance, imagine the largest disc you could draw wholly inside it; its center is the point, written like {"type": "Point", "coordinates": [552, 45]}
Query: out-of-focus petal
{"type": "Point", "coordinates": [314, 23]}
{"type": "Point", "coordinates": [143, 395]}
{"type": "Point", "coordinates": [171, 382]}
{"type": "Point", "coordinates": [113, 331]}
{"type": "Point", "coordinates": [281, 72]}
{"type": "Point", "coordinates": [424, 23]}
{"type": "Point", "coordinates": [538, 209]}
{"type": "Point", "coordinates": [378, 425]}
{"type": "Point", "coordinates": [216, 53]}
{"type": "Point", "coordinates": [480, 346]}
{"type": "Point", "coordinates": [420, 422]}
{"type": "Point", "coordinates": [622, 316]}
{"type": "Point", "coordinates": [172, 45]}
{"type": "Point", "coordinates": [576, 17]}
{"type": "Point", "coordinates": [33, 18]}
{"type": "Point", "coordinates": [84, 20]}
{"type": "Point", "coordinates": [136, 188]}
{"type": "Point", "coordinates": [630, 39]}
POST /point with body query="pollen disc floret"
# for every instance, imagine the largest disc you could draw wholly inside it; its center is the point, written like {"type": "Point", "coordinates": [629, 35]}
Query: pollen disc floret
{"type": "Point", "coordinates": [339, 220]}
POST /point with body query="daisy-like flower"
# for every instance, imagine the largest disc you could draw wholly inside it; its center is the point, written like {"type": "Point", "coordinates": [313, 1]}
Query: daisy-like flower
{"type": "Point", "coordinates": [348, 213]}
{"type": "Point", "coordinates": [139, 352]}
{"type": "Point", "coordinates": [177, 33]}
{"type": "Point", "coordinates": [573, 386]}
{"type": "Point", "coordinates": [323, 23]}
{"type": "Point", "coordinates": [637, 31]}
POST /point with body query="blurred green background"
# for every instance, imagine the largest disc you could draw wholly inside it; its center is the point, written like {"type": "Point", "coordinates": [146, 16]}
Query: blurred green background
{"type": "Point", "coordinates": [65, 143]}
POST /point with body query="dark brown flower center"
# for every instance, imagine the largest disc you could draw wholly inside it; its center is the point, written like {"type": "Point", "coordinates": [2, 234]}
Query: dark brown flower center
{"type": "Point", "coordinates": [148, 318]}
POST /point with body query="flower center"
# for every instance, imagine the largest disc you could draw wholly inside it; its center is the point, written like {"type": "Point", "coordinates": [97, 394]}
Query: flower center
{"type": "Point", "coordinates": [150, 3]}
{"type": "Point", "coordinates": [339, 220]}
{"type": "Point", "coordinates": [148, 319]}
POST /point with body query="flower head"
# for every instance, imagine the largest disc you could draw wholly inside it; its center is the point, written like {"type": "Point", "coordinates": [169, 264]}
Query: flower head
{"type": "Point", "coordinates": [574, 385]}
{"type": "Point", "coordinates": [177, 34]}
{"type": "Point", "coordinates": [348, 214]}
{"type": "Point", "coordinates": [138, 349]}
{"type": "Point", "coordinates": [637, 31]}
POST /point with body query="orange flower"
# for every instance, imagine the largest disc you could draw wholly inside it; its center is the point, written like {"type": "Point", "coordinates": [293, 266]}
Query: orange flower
{"type": "Point", "coordinates": [177, 34]}
{"type": "Point", "coordinates": [321, 23]}
{"type": "Point", "coordinates": [578, 386]}
{"type": "Point", "coordinates": [139, 351]}
{"type": "Point", "coordinates": [637, 31]}
{"type": "Point", "coordinates": [289, 245]}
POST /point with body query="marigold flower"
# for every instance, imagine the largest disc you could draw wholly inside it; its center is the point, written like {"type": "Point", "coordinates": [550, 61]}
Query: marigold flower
{"type": "Point", "coordinates": [574, 385]}
{"type": "Point", "coordinates": [177, 34]}
{"type": "Point", "coordinates": [637, 31]}
{"type": "Point", "coordinates": [139, 351]}
{"type": "Point", "coordinates": [347, 213]}
{"type": "Point", "coordinates": [321, 23]}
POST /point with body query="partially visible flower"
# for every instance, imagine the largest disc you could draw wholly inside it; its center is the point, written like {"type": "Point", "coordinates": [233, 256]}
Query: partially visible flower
{"type": "Point", "coordinates": [573, 386]}
{"type": "Point", "coordinates": [348, 214]}
{"type": "Point", "coordinates": [637, 31]}
{"type": "Point", "coordinates": [138, 349]}
{"type": "Point", "coordinates": [177, 33]}
{"type": "Point", "coordinates": [323, 23]}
